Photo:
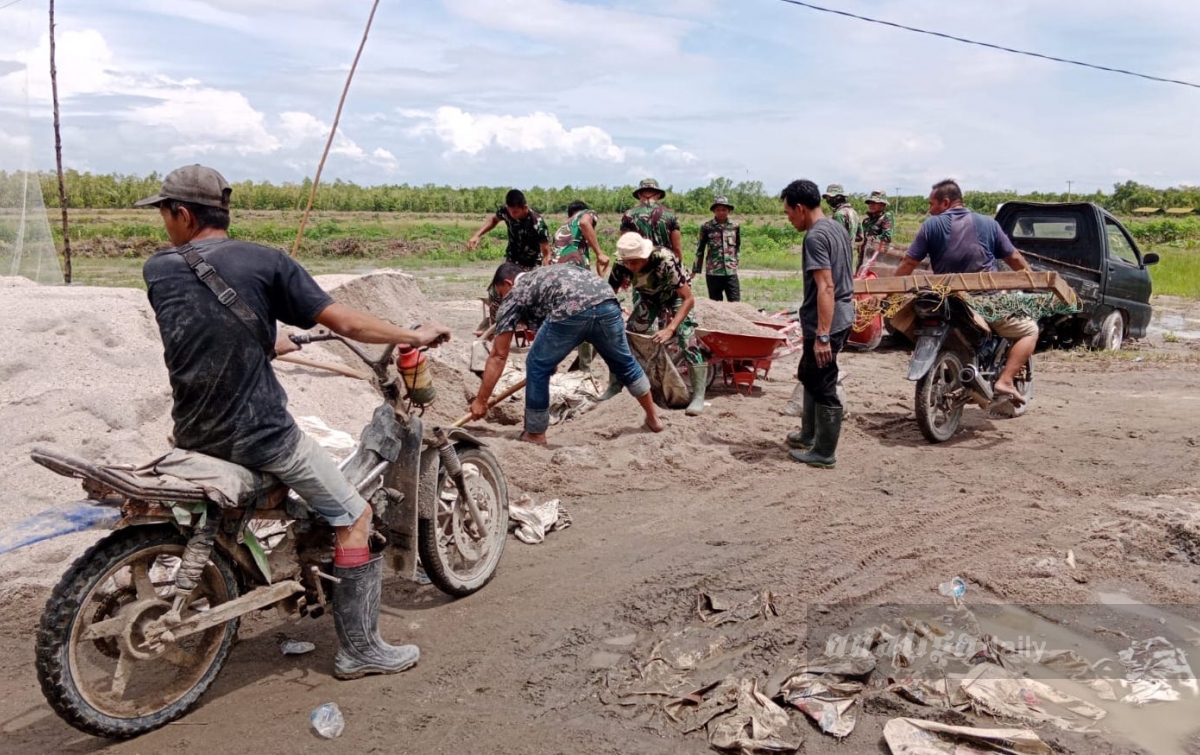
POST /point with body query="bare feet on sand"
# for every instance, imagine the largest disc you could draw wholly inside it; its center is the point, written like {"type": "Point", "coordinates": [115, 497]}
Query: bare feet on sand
{"type": "Point", "coordinates": [654, 425]}
{"type": "Point", "coordinates": [1009, 392]}
{"type": "Point", "coordinates": [538, 438]}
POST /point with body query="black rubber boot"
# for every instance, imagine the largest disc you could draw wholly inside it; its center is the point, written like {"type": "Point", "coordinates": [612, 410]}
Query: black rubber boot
{"type": "Point", "coordinates": [361, 650]}
{"type": "Point", "coordinates": [829, 428]}
{"type": "Point", "coordinates": [614, 387]}
{"type": "Point", "coordinates": [804, 437]}
{"type": "Point", "coordinates": [699, 375]}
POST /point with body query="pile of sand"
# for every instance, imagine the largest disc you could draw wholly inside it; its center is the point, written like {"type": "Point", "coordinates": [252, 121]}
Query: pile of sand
{"type": "Point", "coordinates": [730, 317]}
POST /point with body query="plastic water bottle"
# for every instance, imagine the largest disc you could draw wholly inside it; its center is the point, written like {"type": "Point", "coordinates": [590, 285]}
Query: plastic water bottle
{"type": "Point", "coordinates": [955, 588]}
{"type": "Point", "coordinates": [296, 647]}
{"type": "Point", "coordinates": [328, 720]}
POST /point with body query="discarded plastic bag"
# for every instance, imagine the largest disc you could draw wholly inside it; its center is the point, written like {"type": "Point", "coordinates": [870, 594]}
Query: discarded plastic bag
{"type": "Point", "coordinates": [534, 520]}
{"type": "Point", "coordinates": [827, 690]}
{"type": "Point", "coordinates": [757, 725]}
{"type": "Point", "coordinates": [1000, 693]}
{"type": "Point", "coordinates": [914, 736]}
{"type": "Point", "coordinates": [719, 608]}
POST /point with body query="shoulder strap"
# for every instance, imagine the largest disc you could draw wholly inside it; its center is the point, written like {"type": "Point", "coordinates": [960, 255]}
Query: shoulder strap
{"type": "Point", "coordinates": [209, 276]}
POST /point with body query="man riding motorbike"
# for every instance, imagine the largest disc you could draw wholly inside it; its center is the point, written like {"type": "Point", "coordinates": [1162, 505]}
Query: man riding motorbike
{"type": "Point", "coordinates": [216, 301]}
{"type": "Point", "coordinates": [957, 240]}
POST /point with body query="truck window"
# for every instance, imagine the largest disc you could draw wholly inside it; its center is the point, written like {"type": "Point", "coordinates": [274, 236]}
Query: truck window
{"type": "Point", "coordinates": [1034, 227]}
{"type": "Point", "coordinates": [1119, 246]}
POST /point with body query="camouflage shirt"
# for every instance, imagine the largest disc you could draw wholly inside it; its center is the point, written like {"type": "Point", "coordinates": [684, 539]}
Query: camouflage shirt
{"type": "Point", "coordinates": [657, 283]}
{"type": "Point", "coordinates": [876, 229]}
{"type": "Point", "coordinates": [652, 221]}
{"type": "Point", "coordinates": [525, 237]}
{"type": "Point", "coordinates": [848, 217]}
{"type": "Point", "coordinates": [723, 242]}
{"type": "Point", "coordinates": [551, 293]}
{"type": "Point", "coordinates": [569, 244]}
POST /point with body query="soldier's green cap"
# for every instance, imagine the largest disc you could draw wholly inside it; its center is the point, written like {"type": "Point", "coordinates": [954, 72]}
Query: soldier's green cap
{"type": "Point", "coordinates": [834, 190]}
{"type": "Point", "coordinates": [192, 183]}
{"type": "Point", "coordinates": [649, 183]}
{"type": "Point", "coordinates": [720, 202]}
{"type": "Point", "coordinates": [877, 196]}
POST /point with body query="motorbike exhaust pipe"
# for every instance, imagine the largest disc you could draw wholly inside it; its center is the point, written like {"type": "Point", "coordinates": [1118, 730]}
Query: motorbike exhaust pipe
{"type": "Point", "coordinates": [967, 374]}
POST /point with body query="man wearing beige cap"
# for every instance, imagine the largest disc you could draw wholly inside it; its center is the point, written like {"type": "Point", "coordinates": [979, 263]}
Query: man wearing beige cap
{"type": "Point", "coordinates": [663, 306]}
{"type": "Point", "coordinates": [216, 301]}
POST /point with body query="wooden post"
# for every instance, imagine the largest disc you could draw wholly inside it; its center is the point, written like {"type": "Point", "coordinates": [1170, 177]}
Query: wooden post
{"type": "Point", "coordinates": [312, 195]}
{"type": "Point", "coordinates": [62, 187]}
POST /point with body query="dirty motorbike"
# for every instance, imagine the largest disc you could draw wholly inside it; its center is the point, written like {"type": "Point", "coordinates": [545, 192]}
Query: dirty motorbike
{"type": "Point", "coordinates": [140, 626]}
{"type": "Point", "coordinates": [956, 361]}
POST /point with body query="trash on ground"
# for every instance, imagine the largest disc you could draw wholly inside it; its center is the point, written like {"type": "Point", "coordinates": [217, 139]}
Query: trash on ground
{"type": "Point", "coordinates": [327, 720]}
{"type": "Point", "coordinates": [914, 736]}
{"type": "Point", "coordinates": [532, 521]}
{"type": "Point", "coordinates": [955, 588]}
{"type": "Point", "coordinates": [719, 608]}
{"type": "Point", "coordinates": [571, 393]}
{"type": "Point", "coordinates": [756, 725]}
{"type": "Point", "coordinates": [999, 692]}
{"type": "Point", "coordinates": [296, 647]}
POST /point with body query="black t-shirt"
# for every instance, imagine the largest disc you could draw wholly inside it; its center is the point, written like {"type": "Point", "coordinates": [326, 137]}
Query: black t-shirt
{"type": "Point", "coordinates": [827, 247]}
{"type": "Point", "coordinates": [228, 402]}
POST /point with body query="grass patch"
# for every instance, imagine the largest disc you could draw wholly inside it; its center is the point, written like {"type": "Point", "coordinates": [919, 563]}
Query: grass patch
{"type": "Point", "coordinates": [1178, 271]}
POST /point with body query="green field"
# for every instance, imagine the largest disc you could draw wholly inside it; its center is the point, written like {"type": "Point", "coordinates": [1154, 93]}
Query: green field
{"type": "Point", "coordinates": [109, 245]}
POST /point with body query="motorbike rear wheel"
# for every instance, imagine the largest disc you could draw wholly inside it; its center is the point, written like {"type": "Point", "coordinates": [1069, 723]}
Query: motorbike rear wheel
{"type": "Point", "coordinates": [458, 558]}
{"type": "Point", "coordinates": [115, 683]}
{"type": "Point", "coordinates": [938, 413]}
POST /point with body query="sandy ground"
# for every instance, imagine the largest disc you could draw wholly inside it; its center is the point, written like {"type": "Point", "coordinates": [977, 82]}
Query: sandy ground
{"type": "Point", "coordinates": [1104, 466]}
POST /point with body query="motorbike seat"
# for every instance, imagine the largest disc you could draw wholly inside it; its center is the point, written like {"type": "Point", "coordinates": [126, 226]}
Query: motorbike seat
{"type": "Point", "coordinates": [178, 477]}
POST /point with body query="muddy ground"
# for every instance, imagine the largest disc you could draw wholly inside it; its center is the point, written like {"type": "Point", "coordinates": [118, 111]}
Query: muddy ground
{"type": "Point", "coordinates": [1103, 466]}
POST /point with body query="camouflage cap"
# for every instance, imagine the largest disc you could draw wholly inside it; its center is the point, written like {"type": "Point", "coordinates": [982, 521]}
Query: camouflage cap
{"type": "Point", "coordinates": [192, 183]}
{"type": "Point", "coordinates": [834, 190]}
{"type": "Point", "coordinates": [649, 183]}
{"type": "Point", "coordinates": [877, 197]}
{"type": "Point", "coordinates": [720, 202]}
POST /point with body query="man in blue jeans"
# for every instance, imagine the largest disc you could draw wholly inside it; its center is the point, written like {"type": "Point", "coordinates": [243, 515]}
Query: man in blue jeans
{"type": "Point", "coordinates": [569, 305]}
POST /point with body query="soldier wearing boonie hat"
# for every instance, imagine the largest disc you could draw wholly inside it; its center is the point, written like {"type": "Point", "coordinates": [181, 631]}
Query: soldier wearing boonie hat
{"type": "Point", "coordinates": [722, 239]}
{"type": "Point", "coordinates": [875, 234]}
{"type": "Point", "coordinates": [652, 219]}
{"type": "Point", "coordinates": [842, 211]}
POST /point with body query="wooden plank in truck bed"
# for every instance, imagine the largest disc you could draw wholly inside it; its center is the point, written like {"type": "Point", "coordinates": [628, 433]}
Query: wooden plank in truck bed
{"type": "Point", "coordinates": [1024, 280]}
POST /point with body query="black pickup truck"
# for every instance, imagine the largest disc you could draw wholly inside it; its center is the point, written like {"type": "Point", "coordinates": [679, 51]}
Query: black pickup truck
{"type": "Point", "coordinates": [1090, 248]}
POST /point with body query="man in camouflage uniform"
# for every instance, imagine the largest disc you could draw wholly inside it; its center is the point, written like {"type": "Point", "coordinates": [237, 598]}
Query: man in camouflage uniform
{"type": "Point", "coordinates": [841, 209]}
{"type": "Point", "coordinates": [653, 220]}
{"type": "Point", "coordinates": [572, 243]}
{"type": "Point", "coordinates": [875, 234]}
{"type": "Point", "coordinates": [663, 307]}
{"type": "Point", "coordinates": [576, 238]}
{"type": "Point", "coordinates": [528, 241]}
{"type": "Point", "coordinates": [569, 306]}
{"type": "Point", "coordinates": [723, 239]}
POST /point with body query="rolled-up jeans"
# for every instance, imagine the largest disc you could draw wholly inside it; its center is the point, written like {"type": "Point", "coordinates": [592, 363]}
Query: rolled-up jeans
{"type": "Point", "coordinates": [603, 327]}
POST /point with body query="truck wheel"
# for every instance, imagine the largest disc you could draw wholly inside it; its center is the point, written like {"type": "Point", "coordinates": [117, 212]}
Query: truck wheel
{"type": "Point", "coordinates": [1111, 334]}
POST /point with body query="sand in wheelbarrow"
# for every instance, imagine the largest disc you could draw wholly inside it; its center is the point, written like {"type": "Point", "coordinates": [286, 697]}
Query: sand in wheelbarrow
{"type": "Point", "coordinates": [731, 317]}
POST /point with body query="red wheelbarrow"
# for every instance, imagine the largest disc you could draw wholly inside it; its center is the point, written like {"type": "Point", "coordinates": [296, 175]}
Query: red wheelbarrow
{"type": "Point", "coordinates": [739, 357]}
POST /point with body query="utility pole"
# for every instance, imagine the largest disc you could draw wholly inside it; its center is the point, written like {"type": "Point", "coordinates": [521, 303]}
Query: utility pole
{"type": "Point", "coordinates": [62, 188]}
{"type": "Point", "coordinates": [1069, 183]}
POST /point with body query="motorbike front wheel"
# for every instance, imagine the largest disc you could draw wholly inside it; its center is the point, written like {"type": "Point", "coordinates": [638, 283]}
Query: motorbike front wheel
{"type": "Point", "coordinates": [939, 410]}
{"type": "Point", "coordinates": [458, 557]}
{"type": "Point", "coordinates": [97, 668]}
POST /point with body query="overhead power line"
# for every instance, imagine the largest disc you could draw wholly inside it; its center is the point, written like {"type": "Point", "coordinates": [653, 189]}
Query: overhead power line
{"type": "Point", "coordinates": [989, 45]}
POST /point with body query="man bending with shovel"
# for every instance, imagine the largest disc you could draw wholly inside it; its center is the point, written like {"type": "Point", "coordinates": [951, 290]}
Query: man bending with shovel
{"type": "Point", "coordinates": [570, 305]}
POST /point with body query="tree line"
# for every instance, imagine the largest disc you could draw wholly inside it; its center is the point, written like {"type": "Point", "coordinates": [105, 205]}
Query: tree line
{"type": "Point", "coordinates": [115, 191]}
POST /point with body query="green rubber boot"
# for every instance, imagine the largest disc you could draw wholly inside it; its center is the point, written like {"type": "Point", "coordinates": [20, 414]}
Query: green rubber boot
{"type": "Point", "coordinates": [583, 360]}
{"type": "Point", "coordinates": [699, 373]}
{"type": "Point", "coordinates": [829, 428]}
{"type": "Point", "coordinates": [614, 387]}
{"type": "Point", "coordinates": [804, 437]}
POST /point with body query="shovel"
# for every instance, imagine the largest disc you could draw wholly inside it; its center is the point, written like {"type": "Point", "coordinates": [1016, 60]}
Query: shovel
{"type": "Point", "coordinates": [508, 392]}
{"type": "Point", "coordinates": [480, 351]}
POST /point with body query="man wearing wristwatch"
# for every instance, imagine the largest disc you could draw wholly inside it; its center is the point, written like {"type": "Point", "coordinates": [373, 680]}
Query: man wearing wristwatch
{"type": "Point", "coordinates": [826, 315]}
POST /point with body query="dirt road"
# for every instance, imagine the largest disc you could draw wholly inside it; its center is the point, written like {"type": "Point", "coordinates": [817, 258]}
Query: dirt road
{"type": "Point", "coordinates": [1104, 465]}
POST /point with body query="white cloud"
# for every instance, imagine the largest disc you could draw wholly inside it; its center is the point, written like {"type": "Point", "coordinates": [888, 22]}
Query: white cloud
{"type": "Point", "coordinates": [471, 134]}
{"type": "Point", "coordinates": [669, 153]}
{"type": "Point", "coordinates": [206, 120]}
{"type": "Point", "coordinates": [303, 129]}
{"type": "Point", "coordinates": [385, 160]}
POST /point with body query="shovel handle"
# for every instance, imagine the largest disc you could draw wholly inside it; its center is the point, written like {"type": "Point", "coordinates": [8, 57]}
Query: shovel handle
{"type": "Point", "coordinates": [508, 392]}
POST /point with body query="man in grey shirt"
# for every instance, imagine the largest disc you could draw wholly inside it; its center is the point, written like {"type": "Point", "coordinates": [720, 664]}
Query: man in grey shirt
{"type": "Point", "coordinates": [826, 315]}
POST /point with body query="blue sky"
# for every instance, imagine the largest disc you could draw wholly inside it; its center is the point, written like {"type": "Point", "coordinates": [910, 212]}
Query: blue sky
{"type": "Point", "coordinates": [557, 92]}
